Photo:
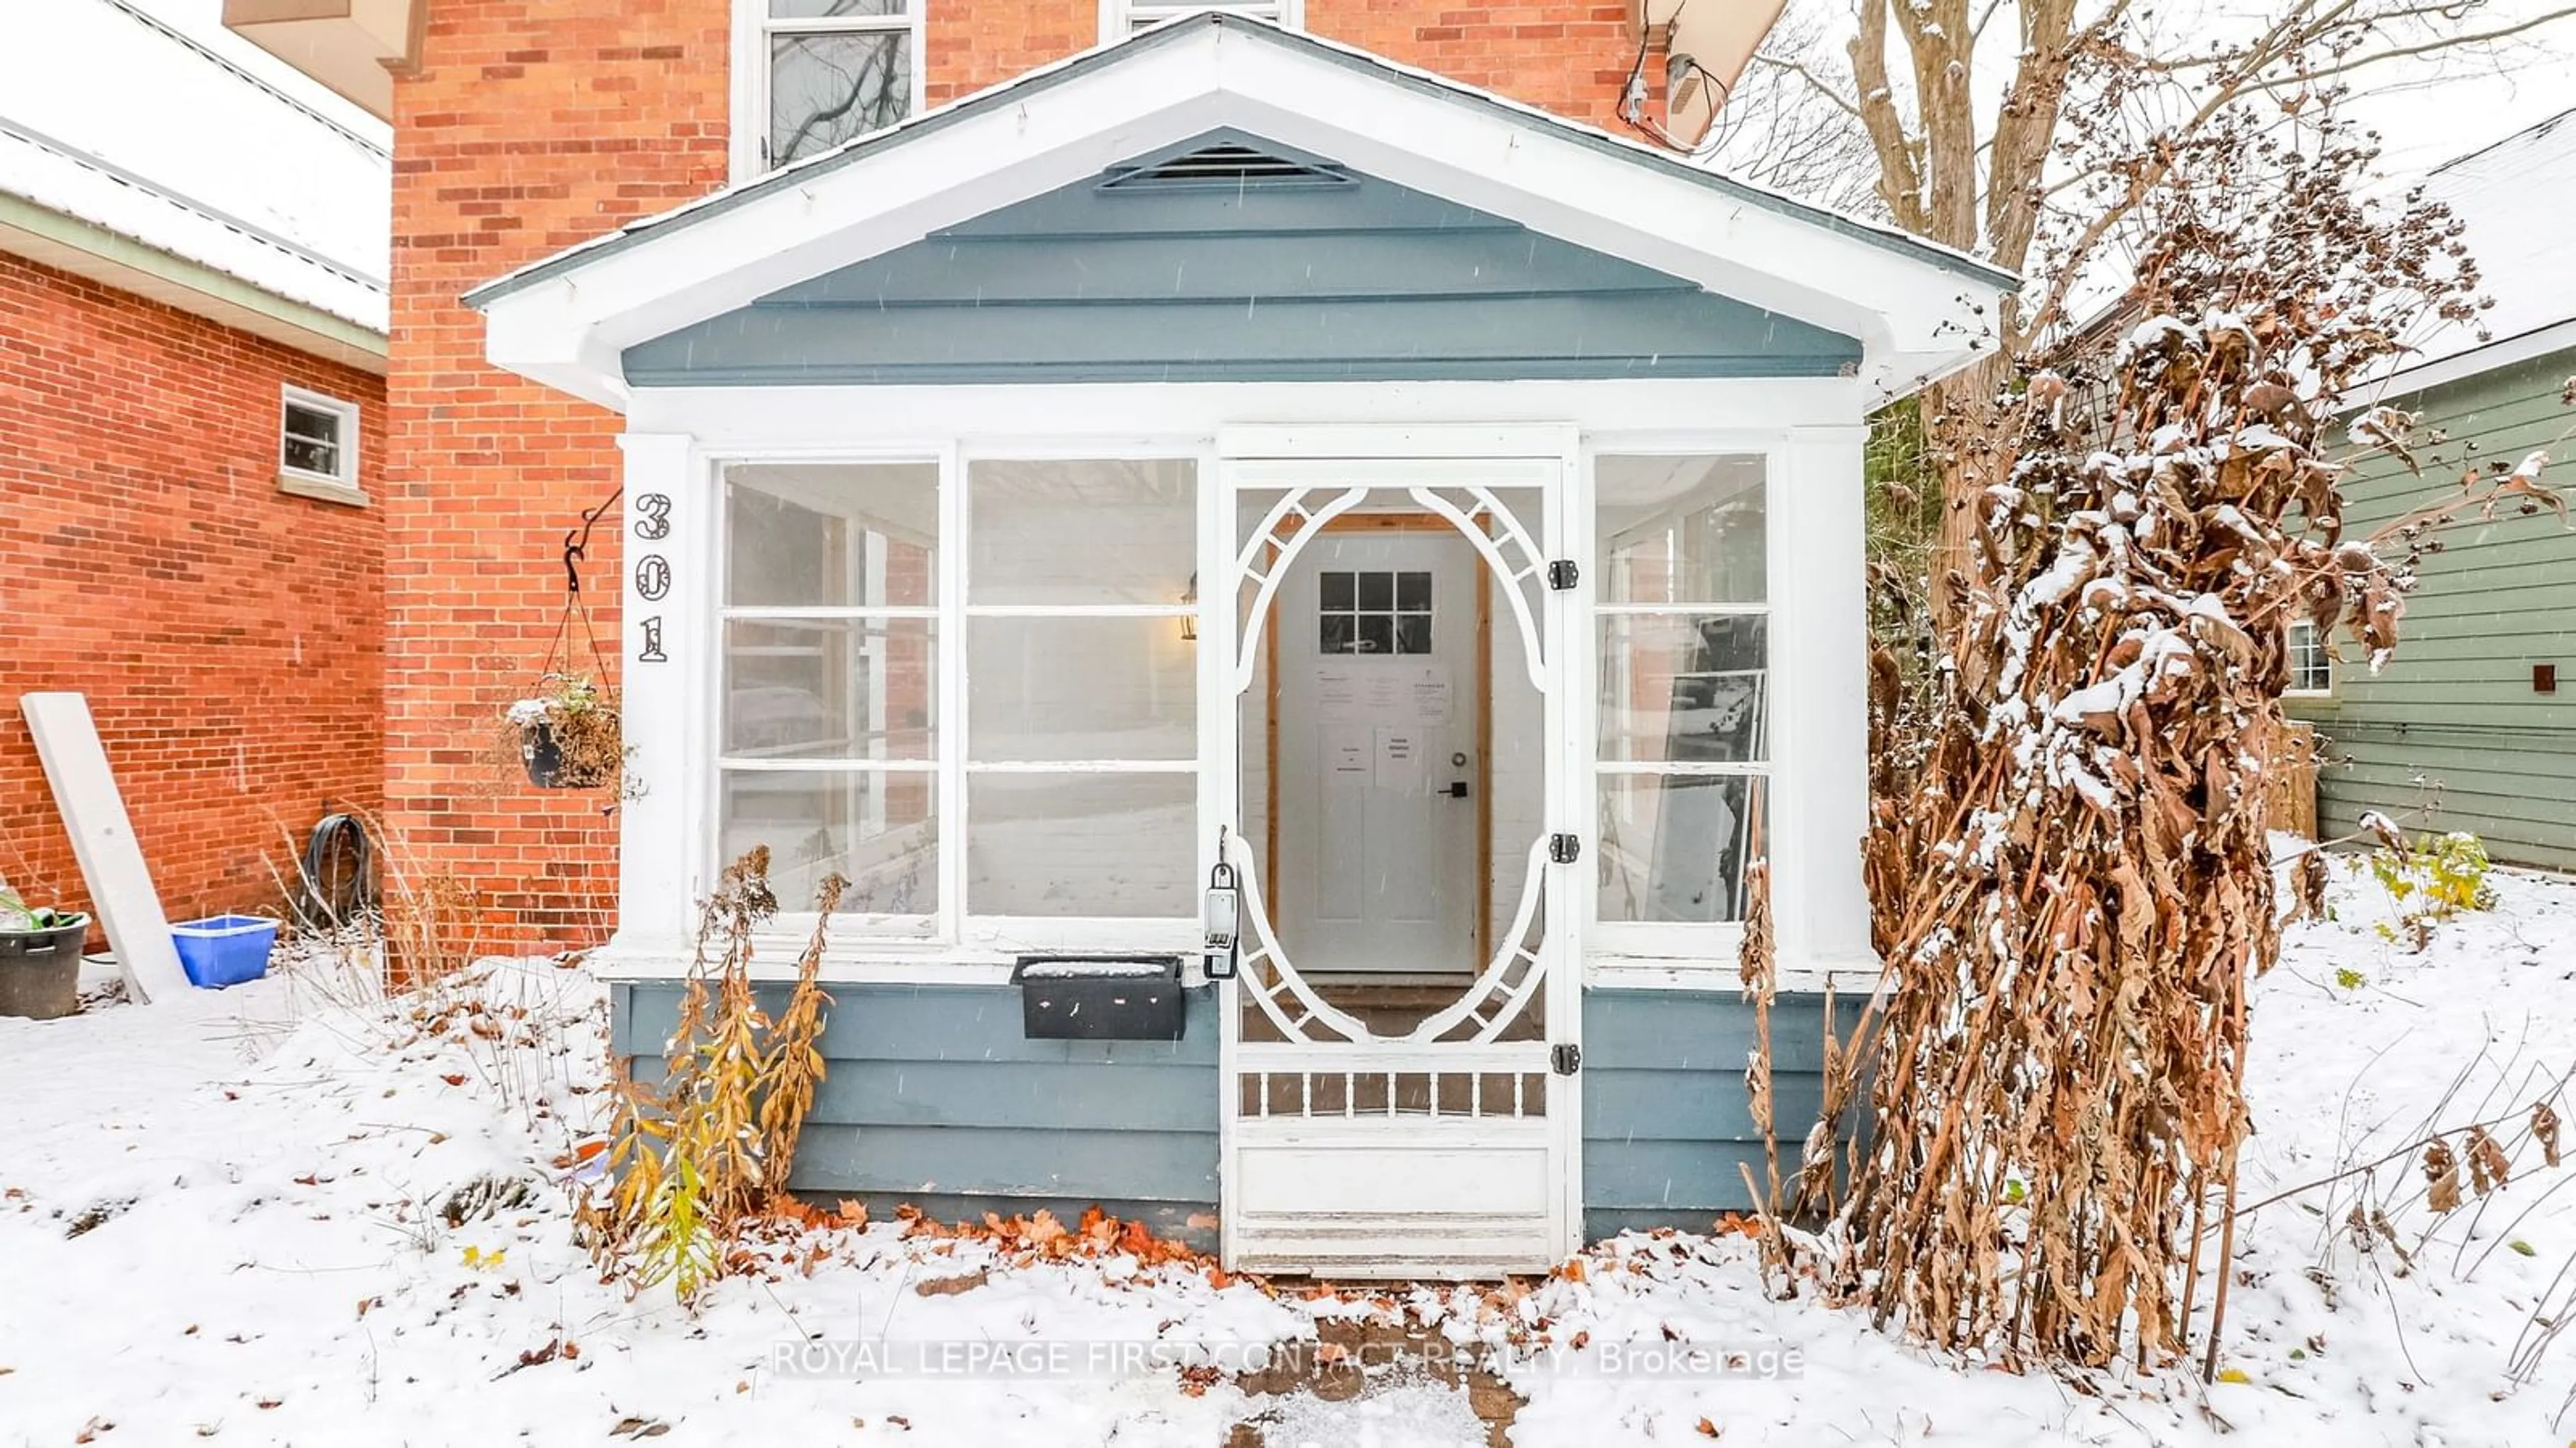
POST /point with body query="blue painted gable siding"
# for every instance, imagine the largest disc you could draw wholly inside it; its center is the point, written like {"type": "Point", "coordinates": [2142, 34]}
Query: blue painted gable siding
{"type": "Point", "coordinates": [1341, 277]}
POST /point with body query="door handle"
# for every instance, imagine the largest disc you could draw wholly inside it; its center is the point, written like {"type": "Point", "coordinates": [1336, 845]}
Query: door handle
{"type": "Point", "coordinates": [1457, 789]}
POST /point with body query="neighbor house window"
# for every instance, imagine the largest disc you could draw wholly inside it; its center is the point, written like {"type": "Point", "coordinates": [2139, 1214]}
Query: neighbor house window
{"type": "Point", "coordinates": [1683, 626]}
{"type": "Point", "coordinates": [1122, 18]}
{"type": "Point", "coordinates": [810, 74]}
{"type": "Point", "coordinates": [1048, 605]}
{"type": "Point", "coordinates": [317, 445]}
{"type": "Point", "coordinates": [2311, 664]}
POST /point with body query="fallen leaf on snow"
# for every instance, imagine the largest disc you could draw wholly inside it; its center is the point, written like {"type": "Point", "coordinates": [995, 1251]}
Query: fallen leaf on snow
{"type": "Point", "coordinates": [948, 1286]}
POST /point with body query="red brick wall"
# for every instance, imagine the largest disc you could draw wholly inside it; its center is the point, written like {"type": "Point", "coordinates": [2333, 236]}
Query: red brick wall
{"type": "Point", "coordinates": [531, 125]}
{"type": "Point", "coordinates": [228, 635]}
{"type": "Point", "coordinates": [534, 124]}
{"type": "Point", "coordinates": [1571, 57]}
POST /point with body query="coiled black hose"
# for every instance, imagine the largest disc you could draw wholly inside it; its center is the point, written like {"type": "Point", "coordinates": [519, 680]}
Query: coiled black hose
{"type": "Point", "coordinates": [331, 897]}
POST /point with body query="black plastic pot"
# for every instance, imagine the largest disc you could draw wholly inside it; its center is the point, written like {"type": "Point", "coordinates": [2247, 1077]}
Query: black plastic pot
{"type": "Point", "coordinates": [40, 968]}
{"type": "Point", "coordinates": [543, 754]}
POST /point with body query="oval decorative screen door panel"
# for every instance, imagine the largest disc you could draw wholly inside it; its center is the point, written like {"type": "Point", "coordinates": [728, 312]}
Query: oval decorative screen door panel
{"type": "Point", "coordinates": [1394, 1103]}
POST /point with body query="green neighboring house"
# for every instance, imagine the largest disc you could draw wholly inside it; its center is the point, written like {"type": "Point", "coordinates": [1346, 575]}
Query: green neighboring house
{"type": "Point", "coordinates": [2476, 711]}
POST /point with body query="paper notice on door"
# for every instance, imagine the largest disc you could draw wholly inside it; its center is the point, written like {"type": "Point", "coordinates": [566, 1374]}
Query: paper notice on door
{"type": "Point", "coordinates": [1399, 759]}
{"type": "Point", "coordinates": [1346, 753]}
{"type": "Point", "coordinates": [1337, 695]}
{"type": "Point", "coordinates": [1430, 697]}
{"type": "Point", "coordinates": [1383, 694]}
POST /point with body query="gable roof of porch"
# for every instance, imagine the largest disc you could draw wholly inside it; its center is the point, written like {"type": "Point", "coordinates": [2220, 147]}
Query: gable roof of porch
{"type": "Point", "coordinates": [1910, 310]}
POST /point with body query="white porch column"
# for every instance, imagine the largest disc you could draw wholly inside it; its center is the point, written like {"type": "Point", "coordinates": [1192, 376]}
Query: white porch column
{"type": "Point", "coordinates": [1820, 719]}
{"type": "Point", "coordinates": [664, 669]}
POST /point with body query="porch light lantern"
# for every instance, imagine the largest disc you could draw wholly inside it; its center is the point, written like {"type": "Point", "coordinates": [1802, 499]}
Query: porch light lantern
{"type": "Point", "coordinates": [1190, 620]}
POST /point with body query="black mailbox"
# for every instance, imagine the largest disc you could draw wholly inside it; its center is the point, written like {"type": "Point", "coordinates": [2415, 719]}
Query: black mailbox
{"type": "Point", "coordinates": [1100, 997]}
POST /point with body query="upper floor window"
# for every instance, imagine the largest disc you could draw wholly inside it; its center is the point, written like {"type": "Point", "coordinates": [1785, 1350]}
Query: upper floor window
{"type": "Point", "coordinates": [1122, 18]}
{"type": "Point", "coordinates": [810, 74]}
{"type": "Point", "coordinates": [317, 445]}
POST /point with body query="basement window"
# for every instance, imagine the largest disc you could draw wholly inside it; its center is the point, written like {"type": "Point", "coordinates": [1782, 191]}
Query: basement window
{"type": "Point", "coordinates": [1122, 18]}
{"type": "Point", "coordinates": [317, 446]}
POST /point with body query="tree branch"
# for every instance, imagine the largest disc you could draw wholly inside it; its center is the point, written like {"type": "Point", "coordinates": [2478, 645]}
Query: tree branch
{"type": "Point", "coordinates": [2446, 42]}
{"type": "Point", "coordinates": [1815, 82]}
{"type": "Point", "coordinates": [1900, 182]}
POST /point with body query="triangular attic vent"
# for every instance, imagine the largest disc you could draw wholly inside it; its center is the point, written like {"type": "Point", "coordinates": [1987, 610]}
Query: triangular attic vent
{"type": "Point", "coordinates": [1225, 164]}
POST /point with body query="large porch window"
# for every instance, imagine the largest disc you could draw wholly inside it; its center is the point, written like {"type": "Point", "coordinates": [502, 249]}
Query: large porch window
{"type": "Point", "coordinates": [969, 688]}
{"type": "Point", "coordinates": [1683, 625]}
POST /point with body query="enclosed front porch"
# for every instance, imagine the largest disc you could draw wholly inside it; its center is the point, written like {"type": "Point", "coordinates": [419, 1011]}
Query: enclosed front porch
{"type": "Point", "coordinates": [1376, 564]}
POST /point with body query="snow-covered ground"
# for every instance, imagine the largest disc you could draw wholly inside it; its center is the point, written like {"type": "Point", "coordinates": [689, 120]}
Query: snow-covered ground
{"type": "Point", "coordinates": [286, 1214]}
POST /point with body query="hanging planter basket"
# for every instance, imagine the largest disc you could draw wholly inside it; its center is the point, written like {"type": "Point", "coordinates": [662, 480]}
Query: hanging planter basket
{"type": "Point", "coordinates": [566, 731]}
{"type": "Point", "coordinates": [580, 750]}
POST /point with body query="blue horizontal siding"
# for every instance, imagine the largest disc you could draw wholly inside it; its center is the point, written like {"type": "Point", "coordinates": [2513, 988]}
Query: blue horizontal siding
{"type": "Point", "coordinates": [931, 1093]}
{"type": "Point", "coordinates": [1364, 281]}
{"type": "Point", "coordinates": [933, 1097]}
{"type": "Point", "coordinates": [1667, 1122]}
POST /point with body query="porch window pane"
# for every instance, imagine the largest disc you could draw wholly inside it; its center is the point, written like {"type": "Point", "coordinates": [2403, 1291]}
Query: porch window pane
{"type": "Point", "coordinates": [832, 535]}
{"type": "Point", "coordinates": [835, 688]}
{"type": "Point", "coordinates": [829, 87]}
{"type": "Point", "coordinates": [1684, 688]}
{"type": "Point", "coordinates": [877, 829]}
{"type": "Point", "coordinates": [1674, 847]}
{"type": "Point", "coordinates": [1680, 530]}
{"type": "Point", "coordinates": [1119, 845]}
{"type": "Point", "coordinates": [1083, 531]}
{"type": "Point", "coordinates": [1080, 688]}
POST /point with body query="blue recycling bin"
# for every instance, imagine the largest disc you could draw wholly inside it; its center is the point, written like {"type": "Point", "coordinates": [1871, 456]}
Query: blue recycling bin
{"type": "Point", "coordinates": [223, 950]}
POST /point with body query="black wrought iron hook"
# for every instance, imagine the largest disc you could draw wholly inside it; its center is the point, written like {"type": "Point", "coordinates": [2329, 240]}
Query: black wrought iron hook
{"type": "Point", "coordinates": [577, 541]}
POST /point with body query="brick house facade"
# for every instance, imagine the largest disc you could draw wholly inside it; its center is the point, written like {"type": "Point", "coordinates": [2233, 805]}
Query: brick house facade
{"type": "Point", "coordinates": [192, 440]}
{"type": "Point", "coordinates": [229, 635]}
{"type": "Point", "coordinates": [526, 127]}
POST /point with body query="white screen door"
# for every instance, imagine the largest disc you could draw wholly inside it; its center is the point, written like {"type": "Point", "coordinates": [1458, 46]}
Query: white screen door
{"type": "Point", "coordinates": [1401, 1099]}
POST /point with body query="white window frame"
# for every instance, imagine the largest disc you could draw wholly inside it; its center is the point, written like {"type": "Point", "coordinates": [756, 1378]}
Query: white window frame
{"type": "Point", "coordinates": [2325, 654]}
{"type": "Point", "coordinates": [333, 487]}
{"type": "Point", "coordinates": [1712, 941]}
{"type": "Point", "coordinates": [953, 930]}
{"type": "Point", "coordinates": [1122, 18]}
{"type": "Point", "coordinates": [719, 763]}
{"type": "Point", "coordinates": [754, 27]}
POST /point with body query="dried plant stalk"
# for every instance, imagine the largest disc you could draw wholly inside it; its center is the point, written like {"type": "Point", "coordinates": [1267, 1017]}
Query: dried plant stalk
{"type": "Point", "coordinates": [2075, 892]}
{"type": "Point", "coordinates": [708, 1146]}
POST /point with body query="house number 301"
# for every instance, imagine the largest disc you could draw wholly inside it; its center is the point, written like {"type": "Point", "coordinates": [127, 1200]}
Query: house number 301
{"type": "Point", "coordinates": [652, 571]}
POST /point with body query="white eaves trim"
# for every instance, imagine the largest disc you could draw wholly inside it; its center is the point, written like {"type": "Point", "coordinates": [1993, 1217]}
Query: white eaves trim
{"type": "Point", "coordinates": [2425, 376]}
{"type": "Point", "coordinates": [1915, 318]}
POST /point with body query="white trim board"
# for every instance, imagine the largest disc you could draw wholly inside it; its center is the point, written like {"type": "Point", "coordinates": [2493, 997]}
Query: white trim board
{"type": "Point", "coordinates": [111, 860]}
